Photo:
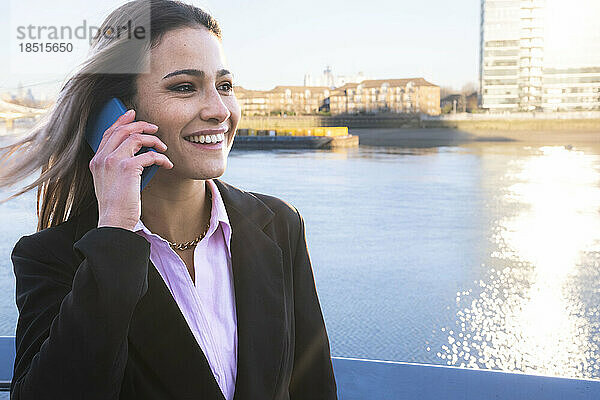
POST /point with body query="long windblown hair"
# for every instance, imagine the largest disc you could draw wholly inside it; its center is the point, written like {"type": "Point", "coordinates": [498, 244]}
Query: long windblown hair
{"type": "Point", "coordinates": [56, 145]}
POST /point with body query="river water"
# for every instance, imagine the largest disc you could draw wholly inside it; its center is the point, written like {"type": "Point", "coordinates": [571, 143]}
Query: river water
{"type": "Point", "coordinates": [482, 255]}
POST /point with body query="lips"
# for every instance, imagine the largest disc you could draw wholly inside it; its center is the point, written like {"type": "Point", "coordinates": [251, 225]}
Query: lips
{"type": "Point", "coordinates": [207, 146]}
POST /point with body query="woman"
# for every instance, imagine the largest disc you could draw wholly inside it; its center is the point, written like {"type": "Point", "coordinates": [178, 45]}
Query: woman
{"type": "Point", "coordinates": [193, 289]}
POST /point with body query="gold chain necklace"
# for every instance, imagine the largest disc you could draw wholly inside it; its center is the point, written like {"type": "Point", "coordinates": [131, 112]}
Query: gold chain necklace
{"type": "Point", "coordinates": [187, 245]}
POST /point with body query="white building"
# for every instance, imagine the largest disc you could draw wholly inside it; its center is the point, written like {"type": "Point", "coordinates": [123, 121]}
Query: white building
{"type": "Point", "coordinates": [539, 55]}
{"type": "Point", "coordinates": [329, 79]}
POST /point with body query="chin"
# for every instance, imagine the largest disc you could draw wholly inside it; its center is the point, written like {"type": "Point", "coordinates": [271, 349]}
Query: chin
{"type": "Point", "coordinates": [210, 173]}
{"type": "Point", "coordinates": [193, 169]}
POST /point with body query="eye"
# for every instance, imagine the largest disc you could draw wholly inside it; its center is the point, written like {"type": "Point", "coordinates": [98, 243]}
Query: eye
{"type": "Point", "coordinates": [227, 87]}
{"type": "Point", "coordinates": [182, 88]}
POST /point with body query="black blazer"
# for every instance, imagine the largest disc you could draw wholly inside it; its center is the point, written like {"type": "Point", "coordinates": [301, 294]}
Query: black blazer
{"type": "Point", "coordinates": [96, 320]}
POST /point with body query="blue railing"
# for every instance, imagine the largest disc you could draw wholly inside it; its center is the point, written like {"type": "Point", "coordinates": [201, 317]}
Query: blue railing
{"type": "Point", "coordinates": [359, 379]}
{"type": "Point", "coordinates": [7, 359]}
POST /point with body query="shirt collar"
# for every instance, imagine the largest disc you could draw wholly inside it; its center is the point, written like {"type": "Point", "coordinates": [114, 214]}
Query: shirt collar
{"type": "Point", "coordinates": [218, 215]}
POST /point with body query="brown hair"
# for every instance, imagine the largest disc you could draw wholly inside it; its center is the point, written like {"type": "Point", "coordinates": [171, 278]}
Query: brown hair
{"type": "Point", "coordinates": [56, 144]}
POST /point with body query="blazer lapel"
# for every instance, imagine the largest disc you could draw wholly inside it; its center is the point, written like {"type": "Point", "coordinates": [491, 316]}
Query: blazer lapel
{"type": "Point", "coordinates": [161, 337]}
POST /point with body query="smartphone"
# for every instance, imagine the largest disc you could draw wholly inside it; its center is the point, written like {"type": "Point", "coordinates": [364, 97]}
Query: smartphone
{"type": "Point", "coordinates": [100, 122]}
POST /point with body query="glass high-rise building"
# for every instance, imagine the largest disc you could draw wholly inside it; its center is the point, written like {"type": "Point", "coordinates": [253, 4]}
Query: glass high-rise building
{"type": "Point", "coordinates": [540, 55]}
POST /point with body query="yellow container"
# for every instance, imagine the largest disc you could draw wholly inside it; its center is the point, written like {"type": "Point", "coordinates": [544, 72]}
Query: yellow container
{"type": "Point", "coordinates": [339, 131]}
{"type": "Point", "coordinates": [311, 131]}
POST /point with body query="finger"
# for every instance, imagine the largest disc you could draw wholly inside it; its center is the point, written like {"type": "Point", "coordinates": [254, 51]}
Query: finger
{"type": "Point", "coordinates": [121, 133]}
{"type": "Point", "coordinates": [126, 118]}
{"type": "Point", "coordinates": [135, 141]}
{"type": "Point", "coordinates": [151, 157]}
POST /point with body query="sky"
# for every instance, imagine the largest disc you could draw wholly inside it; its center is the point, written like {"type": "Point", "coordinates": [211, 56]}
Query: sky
{"type": "Point", "coordinates": [269, 42]}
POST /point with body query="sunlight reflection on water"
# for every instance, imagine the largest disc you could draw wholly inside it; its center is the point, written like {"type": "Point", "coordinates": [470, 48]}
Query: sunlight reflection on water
{"type": "Point", "coordinates": [529, 315]}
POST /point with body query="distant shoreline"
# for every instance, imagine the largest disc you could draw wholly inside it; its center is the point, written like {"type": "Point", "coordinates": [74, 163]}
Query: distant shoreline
{"type": "Point", "coordinates": [476, 123]}
{"type": "Point", "coordinates": [430, 137]}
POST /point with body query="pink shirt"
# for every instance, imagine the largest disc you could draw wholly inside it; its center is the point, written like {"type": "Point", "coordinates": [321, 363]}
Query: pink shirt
{"type": "Point", "coordinates": [209, 305]}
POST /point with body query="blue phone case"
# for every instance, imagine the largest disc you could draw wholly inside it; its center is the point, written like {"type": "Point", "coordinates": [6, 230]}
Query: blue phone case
{"type": "Point", "coordinates": [95, 129]}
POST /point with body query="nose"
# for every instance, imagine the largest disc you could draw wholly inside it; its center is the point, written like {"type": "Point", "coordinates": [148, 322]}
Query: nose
{"type": "Point", "coordinates": [213, 108]}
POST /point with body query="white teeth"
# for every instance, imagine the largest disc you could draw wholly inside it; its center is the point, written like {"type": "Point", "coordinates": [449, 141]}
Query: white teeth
{"type": "Point", "coordinates": [206, 139]}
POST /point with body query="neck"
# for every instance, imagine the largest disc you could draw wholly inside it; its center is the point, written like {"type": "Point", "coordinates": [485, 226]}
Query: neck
{"type": "Point", "coordinates": [177, 211]}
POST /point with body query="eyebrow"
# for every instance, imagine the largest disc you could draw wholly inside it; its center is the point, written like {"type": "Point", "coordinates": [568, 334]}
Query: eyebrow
{"type": "Point", "coordinates": [196, 72]}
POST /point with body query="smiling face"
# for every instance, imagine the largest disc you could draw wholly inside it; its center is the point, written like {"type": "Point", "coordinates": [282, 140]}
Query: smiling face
{"type": "Point", "coordinates": [189, 93]}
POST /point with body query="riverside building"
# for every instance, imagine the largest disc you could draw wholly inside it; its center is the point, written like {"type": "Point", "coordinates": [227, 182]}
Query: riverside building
{"type": "Point", "coordinates": [386, 95]}
{"type": "Point", "coordinates": [369, 96]}
{"type": "Point", "coordinates": [539, 55]}
{"type": "Point", "coordinates": [282, 100]}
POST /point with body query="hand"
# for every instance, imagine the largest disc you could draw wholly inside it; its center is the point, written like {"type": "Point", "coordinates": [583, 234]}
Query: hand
{"type": "Point", "coordinates": [117, 170]}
